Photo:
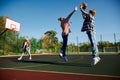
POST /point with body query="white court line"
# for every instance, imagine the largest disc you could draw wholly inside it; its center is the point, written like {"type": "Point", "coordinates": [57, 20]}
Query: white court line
{"type": "Point", "coordinates": [30, 66]}
{"type": "Point", "coordinates": [18, 68]}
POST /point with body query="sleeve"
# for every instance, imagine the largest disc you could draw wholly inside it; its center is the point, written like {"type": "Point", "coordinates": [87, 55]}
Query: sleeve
{"type": "Point", "coordinates": [68, 17]}
{"type": "Point", "coordinates": [84, 13]}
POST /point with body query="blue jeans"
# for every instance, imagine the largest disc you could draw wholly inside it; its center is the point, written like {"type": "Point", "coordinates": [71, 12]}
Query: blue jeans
{"type": "Point", "coordinates": [91, 36]}
{"type": "Point", "coordinates": [64, 46]}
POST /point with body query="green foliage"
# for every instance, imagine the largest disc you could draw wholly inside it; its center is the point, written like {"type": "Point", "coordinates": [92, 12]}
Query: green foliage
{"type": "Point", "coordinates": [35, 44]}
{"type": "Point", "coordinates": [72, 48]}
{"type": "Point", "coordinates": [50, 41]}
{"type": "Point", "coordinates": [85, 47]}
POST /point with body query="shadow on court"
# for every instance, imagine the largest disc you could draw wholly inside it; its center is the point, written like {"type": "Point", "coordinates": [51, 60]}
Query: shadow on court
{"type": "Point", "coordinates": [56, 63]}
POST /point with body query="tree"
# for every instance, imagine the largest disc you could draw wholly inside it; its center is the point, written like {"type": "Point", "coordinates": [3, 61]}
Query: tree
{"type": "Point", "coordinates": [34, 45]}
{"type": "Point", "coordinates": [85, 47]}
{"type": "Point", "coordinates": [50, 41]}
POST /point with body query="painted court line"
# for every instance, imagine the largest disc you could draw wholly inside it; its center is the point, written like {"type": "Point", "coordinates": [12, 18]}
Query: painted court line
{"type": "Point", "coordinates": [29, 66]}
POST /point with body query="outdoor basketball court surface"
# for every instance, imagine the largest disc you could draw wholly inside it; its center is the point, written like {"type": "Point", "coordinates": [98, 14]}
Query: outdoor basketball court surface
{"type": "Point", "coordinates": [51, 67]}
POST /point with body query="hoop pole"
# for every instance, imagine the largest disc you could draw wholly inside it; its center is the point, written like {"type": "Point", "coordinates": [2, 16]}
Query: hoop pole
{"type": "Point", "coordinates": [3, 32]}
{"type": "Point", "coordinates": [115, 42]}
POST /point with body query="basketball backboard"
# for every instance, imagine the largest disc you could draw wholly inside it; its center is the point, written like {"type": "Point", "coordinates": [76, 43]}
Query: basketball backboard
{"type": "Point", "coordinates": [12, 25]}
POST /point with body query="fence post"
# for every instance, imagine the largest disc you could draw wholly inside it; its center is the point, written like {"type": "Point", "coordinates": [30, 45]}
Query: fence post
{"type": "Point", "coordinates": [77, 44]}
{"type": "Point", "coordinates": [4, 43]}
{"type": "Point", "coordinates": [17, 43]}
{"type": "Point", "coordinates": [101, 42]}
{"type": "Point", "coordinates": [115, 42]}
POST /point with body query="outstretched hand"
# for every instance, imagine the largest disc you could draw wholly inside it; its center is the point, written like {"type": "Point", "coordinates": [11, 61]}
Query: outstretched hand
{"type": "Point", "coordinates": [76, 8]}
{"type": "Point", "coordinates": [81, 6]}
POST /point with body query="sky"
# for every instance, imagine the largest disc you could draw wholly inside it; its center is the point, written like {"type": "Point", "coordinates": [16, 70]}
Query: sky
{"type": "Point", "coordinates": [38, 16]}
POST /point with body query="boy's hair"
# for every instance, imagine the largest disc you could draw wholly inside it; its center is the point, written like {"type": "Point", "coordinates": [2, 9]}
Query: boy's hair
{"type": "Point", "coordinates": [93, 12]}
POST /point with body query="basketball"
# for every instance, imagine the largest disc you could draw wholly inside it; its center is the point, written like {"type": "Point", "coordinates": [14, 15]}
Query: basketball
{"type": "Point", "coordinates": [84, 5]}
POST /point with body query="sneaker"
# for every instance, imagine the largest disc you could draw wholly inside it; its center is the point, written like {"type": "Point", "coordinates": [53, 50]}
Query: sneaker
{"type": "Point", "coordinates": [98, 58]}
{"type": "Point", "coordinates": [60, 54]}
{"type": "Point", "coordinates": [95, 61]}
{"type": "Point", "coordinates": [30, 58]}
{"type": "Point", "coordinates": [19, 58]}
{"type": "Point", "coordinates": [63, 57]}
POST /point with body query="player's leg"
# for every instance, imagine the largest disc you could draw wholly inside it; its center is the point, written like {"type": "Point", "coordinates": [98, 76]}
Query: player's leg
{"type": "Point", "coordinates": [63, 49]}
{"type": "Point", "coordinates": [21, 55]}
{"type": "Point", "coordinates": [65, 39]}
{"type": "Point", "coordinates": [93, 43]}
{"type": "Point", "coordinates": [28, 50]}
{"type": "Point", "coordinates": [95, 53]}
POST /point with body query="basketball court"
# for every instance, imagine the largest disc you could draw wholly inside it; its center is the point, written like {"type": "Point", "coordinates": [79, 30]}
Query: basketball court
{"type": "Point", "coordinates": [51, 67]}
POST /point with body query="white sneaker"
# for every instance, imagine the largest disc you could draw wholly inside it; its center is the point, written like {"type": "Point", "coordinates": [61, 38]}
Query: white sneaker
{"type": "Point", "coordinates": [61, 54]}
{"type": "Point", "coordinates": [30, 58]}
{"type": "Point", "coordinates": [63, 57]}
{"type": "Point", "coordinates": [19, 58]}
{"type": "Point", "coordinates": [99, 58]}
{"type": "Point", "coordinates": [95, 61]}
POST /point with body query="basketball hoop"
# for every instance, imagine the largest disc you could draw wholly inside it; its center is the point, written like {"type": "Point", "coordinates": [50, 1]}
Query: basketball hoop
{"type": "Point", "coordinates": [12, 25]}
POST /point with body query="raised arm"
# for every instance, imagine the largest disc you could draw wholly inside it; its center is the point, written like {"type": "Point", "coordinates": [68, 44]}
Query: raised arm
{"type": "Point", "coordinates": [69, 16]}
{"type": "Point", "coordinates": [84, 13]}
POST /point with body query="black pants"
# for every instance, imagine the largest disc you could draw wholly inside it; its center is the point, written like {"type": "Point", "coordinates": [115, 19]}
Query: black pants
{"type": "Point", "coordinates": [65, 40]}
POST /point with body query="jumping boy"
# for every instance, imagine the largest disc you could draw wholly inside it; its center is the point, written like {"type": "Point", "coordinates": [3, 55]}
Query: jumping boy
{"type": "Point", "coordinates": [65, 25]}
{"type": "Point", "coordinates": [88, 27]}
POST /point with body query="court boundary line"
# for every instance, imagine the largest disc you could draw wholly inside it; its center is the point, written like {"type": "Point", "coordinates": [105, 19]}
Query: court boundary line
{"type": "Point", "coordinates": [30, 66]}
{"type": "Point", "coordinates": [55, 72]}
